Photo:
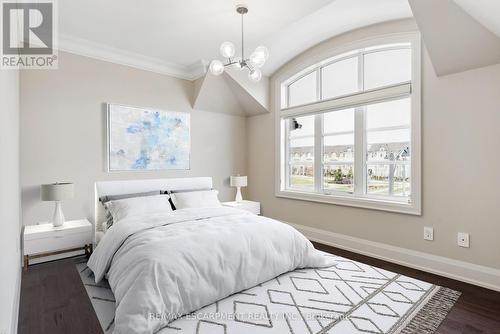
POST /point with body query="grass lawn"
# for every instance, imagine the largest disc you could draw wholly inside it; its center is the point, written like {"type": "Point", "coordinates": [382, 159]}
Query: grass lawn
{"type": "Point", "coordinates": [374, 187]}
{"type": "Point", "coordinates": [382, 188]}
{"type": "Point", "coordinates": [302, 181]}
{"type": "Point", "coordinates": [308, 182]}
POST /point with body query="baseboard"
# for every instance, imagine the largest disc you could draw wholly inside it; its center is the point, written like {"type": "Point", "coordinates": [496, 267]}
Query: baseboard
{"type": "Point", "coordinates": [483, 276]}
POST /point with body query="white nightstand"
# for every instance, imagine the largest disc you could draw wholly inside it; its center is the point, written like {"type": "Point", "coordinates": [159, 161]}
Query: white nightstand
{"type": "Point", "coordinates": [45, 239]}
{"type": "Point", "coordinates": [253, 207]}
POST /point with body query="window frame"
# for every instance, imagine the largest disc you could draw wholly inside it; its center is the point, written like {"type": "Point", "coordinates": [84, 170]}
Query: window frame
{"type": "Point", "coordinates": [410, 89]}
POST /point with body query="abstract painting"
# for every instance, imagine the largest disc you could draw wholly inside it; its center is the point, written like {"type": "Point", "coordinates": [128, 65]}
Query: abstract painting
{"type": "Point", "coordinates": [147, 139]}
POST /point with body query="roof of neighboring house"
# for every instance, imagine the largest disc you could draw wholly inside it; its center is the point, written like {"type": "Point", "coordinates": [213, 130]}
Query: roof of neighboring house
{"type": "Point", "coordinates": [328, 149]}
{"type": "Point", "coordinates": [401, 149]}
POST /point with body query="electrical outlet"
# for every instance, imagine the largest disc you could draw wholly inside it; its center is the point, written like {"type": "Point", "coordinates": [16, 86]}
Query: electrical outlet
{"type": "Point", "coordinates": [428, 233]}
{"type": "Point", "coordinates": [463, 239]}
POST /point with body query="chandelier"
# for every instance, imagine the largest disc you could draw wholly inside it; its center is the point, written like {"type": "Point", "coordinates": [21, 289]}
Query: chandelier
{"type": "Point", "coordinates": [252, 63]}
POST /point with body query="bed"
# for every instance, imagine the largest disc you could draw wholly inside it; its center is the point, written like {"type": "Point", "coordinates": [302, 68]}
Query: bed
{"type": "Point", "coordinates": [164, 264]}
{"type": "Point", "coordinates": [212, 269]}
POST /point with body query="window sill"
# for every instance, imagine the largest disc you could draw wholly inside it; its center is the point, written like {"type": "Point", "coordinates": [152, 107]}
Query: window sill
{"type": "Point", "coordinates": [366, 203]}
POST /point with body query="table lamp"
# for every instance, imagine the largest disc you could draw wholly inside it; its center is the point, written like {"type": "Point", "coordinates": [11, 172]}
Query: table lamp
{"type": "Point", "coordinates": [57, 192]}
{"type": "Point", "coordinates": [238, 182]}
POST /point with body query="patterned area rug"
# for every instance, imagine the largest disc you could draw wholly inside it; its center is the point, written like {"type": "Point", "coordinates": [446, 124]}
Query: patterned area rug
{"type": "Point", "coordinates": [349, 297]}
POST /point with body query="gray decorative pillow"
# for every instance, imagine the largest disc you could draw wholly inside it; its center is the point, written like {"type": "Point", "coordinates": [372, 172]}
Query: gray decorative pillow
{"type": "Point", "coordinates": [106, 199]}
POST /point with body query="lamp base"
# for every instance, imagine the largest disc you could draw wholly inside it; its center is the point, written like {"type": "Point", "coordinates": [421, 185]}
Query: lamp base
{"type": "Point", "coordinates": [58, 217]}
{"type": "Point", "coordinates": [238, 198]}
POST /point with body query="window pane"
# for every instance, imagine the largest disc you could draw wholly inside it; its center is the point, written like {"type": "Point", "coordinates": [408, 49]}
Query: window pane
{"type": "Point", "coordinates": [304, 126]}
{"type": "Point", "coordinates": [389, 152]}
{"type": "Point", "coordinates": [383, 146]}
{"type": "Point", "coordinates": [339, 178]}
{"type": "Point", "coordinates": [378, 179]}
{"type": "Point", "coordinates": [338, 148]}
{"type": "Point", "coordinates": [340, 78]}
{"type": "Point", "coordinates": [338, 121]}
{"type": "Point", "coordinates": [303, 90]}
{"type": "Point", "coordinates": [388, 148]}
{"type": "Point", "coordinates": [302, 163]}
{"type": "Point", "coordinates": [302, 177]}
{"type": "Point", "coordinates": [389, 136]}
{"type": "Point", "coordinates": [402, 180]}
{"type": "Point", "coordinates": [389, 114]}
{"type": "Point", "coordinates": [384, 68]}
{"type": "Point", "coordinates": [385, 180]}
{"type": "Point", "coordinates": [302, 149]}
{"type": "Point", "coordinates": [388, 145]}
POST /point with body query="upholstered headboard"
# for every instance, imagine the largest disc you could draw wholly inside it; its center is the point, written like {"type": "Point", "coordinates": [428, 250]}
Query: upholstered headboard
{"type": "Point", "coordinates": [123, 187]}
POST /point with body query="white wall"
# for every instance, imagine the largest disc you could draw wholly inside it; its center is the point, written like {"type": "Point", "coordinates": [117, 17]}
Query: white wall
{"type": "Point", "coordinates": [461, 182]}
{"type": "Point", "coordinates": [10, 259]}
{"type": "Point", "coordinates": [63, 131]}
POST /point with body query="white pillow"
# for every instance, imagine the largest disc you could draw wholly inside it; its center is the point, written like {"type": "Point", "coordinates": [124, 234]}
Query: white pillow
{"type": "Point", "coordinates": [128, 207]}
{"type": "Point", "coordinates": [196, 199]}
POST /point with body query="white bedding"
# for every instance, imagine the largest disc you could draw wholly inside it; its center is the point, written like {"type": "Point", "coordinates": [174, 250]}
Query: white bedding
{"type": "Point", "coordinates": [162, 266]}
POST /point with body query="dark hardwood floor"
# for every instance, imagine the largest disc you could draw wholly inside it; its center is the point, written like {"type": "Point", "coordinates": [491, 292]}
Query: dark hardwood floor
{"type": "Point", "coordinates": [476, 311]}
{"type": "Point", "coordinates": [53, 299]}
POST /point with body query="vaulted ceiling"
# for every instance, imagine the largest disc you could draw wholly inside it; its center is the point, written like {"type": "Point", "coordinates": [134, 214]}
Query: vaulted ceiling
{"type": "Point", "coordinates": [179, 38]}
{"type": "Point", "coordinates": [485, 12]}
{"type": "Point", "coordinates": [174, 37]}
{"type": "Point", "coordinates": [459, 34]}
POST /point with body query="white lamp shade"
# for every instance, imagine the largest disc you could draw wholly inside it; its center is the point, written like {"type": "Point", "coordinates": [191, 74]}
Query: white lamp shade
{"type": "Point", "coordinates": [238, 181]}
{"type": "Point", "coordinates": [57, 191]}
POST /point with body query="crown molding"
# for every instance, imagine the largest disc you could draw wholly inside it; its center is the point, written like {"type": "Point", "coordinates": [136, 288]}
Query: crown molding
{"type": "Point", "coordinates": [104, 52]}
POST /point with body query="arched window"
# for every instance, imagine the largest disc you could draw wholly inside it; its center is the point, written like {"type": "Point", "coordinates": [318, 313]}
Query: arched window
{"type": "Point", "coordinates": [356, 105]}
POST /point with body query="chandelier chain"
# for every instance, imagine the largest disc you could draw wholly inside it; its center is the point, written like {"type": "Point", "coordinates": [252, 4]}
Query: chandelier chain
{"type": "Point", "coordinates": [242, 40]}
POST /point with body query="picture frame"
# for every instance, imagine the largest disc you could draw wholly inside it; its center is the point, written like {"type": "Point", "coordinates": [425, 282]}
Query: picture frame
{"type": "Point", "coordinates": [147, 139]}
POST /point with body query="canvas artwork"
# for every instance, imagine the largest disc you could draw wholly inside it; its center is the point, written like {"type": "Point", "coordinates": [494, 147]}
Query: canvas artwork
{"type": "Point", "coordinates": [147, 139]}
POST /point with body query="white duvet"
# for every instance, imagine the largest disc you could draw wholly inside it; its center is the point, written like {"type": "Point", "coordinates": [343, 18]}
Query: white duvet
{"type": "Point", "coordinates": [163, 266]}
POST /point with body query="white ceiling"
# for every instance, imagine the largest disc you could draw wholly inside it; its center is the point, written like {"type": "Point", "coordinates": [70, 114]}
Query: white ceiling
{"type": "Point", "coordinates": [338, 17]}
{"type": "Point", "coordinates": [486, 12]}
{"type": "Point", "coordinates": [455, 40]}
{"type": "Point", "coordinates": [174, 36]}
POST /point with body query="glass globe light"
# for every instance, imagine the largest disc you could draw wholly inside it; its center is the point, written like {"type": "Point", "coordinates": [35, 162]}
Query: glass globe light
{"type": "Point", "coordinates": [259, 56]}
{"type": "Point", "coordinates": [255, 75]}
{"type": "Point", "coordinates": [227, 50]}
{"type": "Point", "coordinates": [216, 67]}
{"type": "Point", "coordinates": [256, 60]}
{"type": "Point", "coordinates": [263, 51]}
